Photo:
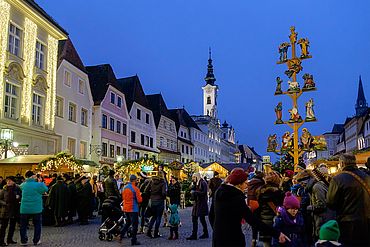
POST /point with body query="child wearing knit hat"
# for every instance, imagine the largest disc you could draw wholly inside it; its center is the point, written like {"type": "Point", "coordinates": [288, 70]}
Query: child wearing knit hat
{"type": "Point", "coordinates": [290, 222]}
{"type": "Point", "coordinates": [329, 235]}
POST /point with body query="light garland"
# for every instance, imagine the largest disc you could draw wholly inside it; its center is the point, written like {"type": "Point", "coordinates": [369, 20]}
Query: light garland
{"type": "Point", "coordinates": [29, 57]}
{"type": "Point", "coordinates": [59, 161]}
{"type": "Point", "coordinates": [51, 80]}
{"type": "Point", "coordinates": [4, 22]}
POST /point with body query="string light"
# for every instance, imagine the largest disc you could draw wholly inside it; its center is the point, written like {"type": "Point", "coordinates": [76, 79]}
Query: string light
{"type": "Point", "coordinates": [4, 22]}
{"type": "Point", "coordinates": [29, 57]}
{"type": "Point", "coordinates": [51, 80]}
{"type": "Point", "coordinates": [59, 161]}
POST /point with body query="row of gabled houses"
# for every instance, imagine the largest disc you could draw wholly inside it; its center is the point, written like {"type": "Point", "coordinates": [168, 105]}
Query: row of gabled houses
{"type": "Point", "coordinates": [354, 134]}
{"type": "Point", "coordinates": [53, 102]}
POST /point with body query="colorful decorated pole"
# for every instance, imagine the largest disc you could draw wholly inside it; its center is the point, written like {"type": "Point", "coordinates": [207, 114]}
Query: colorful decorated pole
{"type": "Point", "coordinates": [290, 141]}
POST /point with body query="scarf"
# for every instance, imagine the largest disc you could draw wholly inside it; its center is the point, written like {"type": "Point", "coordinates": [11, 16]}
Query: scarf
{"type": "Point", "coordinates": [287, 218]}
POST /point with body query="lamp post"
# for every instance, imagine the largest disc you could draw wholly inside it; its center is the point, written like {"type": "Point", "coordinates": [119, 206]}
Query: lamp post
{"type": "Point", "coordinates": [6, 135]}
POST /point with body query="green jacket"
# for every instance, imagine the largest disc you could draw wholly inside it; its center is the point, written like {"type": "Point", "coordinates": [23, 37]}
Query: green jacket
{"type": "Point", "coordinates": [32, 191]}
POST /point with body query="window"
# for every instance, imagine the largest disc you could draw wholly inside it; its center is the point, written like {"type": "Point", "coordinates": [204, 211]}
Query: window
{"type": "Point", "coordinates": [208, 100]}
{"type": "Point", "coordinates": [187, 149]}
{"type": "Point", "coordinates": [147, 141]}
{"type": "Point", "coordinates": [184, 134]}
{"type": "Point", "coordinates": [124, 129]}
{"type": "Point", "coordinates": [67, 78]}
{"type": "Point", "coordinates": [104, 149]}
{"type": "Point", "coordinates": [36, 109]}
{"type": "Point", "coordinates": [161, 141]}
{"type": "Point", "coordinates": [133, 136]}
{"type": "Point", "coordinates": [151, 142]}
{"type": "Point", "coordinates": [118, 127]}
{"type": "Point", "coordinates": [118, 150]}
{"type": "Point", "coordinates": [142, 139]}
{"type": "Point", "coordinates": [137, 155]}
{"type": "Point", "coordinates": [72, 112]}
{"type": "Point", "coordinates": [83, 150]}
{"type": "Point", "coordinates": [191, 151]}
{"type": "Point", "coordinates": [182, 149]}
{"type": "Point", "coordinates": [168, 143]}
{"type": "Point", "coordinates": [112, 98]}
{"type": "Point", "coordinates": [71, 145]}
{"type": "Point", "coordinates": [11, 101]}
{"type": "Point", "coordinates": [59, 105]}
{"type": "Point", "coordinates": [83, 117]}
{"type": "Point", "coordinates": [138, 114]}
{"type": "Point", "coordinates": [124, 151]}
{"type": "Point", "coordinates": [81, 86]}
{"type": "Point", "coordinates": [111, 124]}
{"type": "Point", "coordinates": [104, 121]}
{"type": "Point", "coordinates": [119, 101]}
{"type": "Point", "coordinates": [14, 40]}
{"type": "Point", "coordinates": [40, 55]}
{"type": "Point", "coordinates": [147, 118]}
{"type": "Point", "coordinates": [111, 151]}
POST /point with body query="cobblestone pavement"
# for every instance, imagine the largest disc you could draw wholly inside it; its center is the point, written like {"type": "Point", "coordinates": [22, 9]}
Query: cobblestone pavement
{"type": "Point", "coordinates": [81, 236]}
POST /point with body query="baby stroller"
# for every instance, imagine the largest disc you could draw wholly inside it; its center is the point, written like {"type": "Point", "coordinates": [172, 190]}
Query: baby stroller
{"type": "Point", "coordinates": [114, 220]}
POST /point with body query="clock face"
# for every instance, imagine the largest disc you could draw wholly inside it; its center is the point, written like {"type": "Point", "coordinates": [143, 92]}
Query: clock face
{"type": "Point", "coordinates": [208, 90]}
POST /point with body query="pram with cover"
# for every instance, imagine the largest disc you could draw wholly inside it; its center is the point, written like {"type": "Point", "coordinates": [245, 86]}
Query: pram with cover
{"type": "Point", "coordinates": [113, 220]}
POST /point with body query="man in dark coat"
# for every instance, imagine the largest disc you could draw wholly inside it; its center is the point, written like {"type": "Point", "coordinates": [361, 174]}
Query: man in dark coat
{"type": "Point", "coordinates": [10, 196]}
{"type": "Point", "coordinates": [110, 186]}
{"type": "Point", "coordinates": [84, 192]}
{"type": "Point", "coordinates": [200, 206]}
{"type": "Point", "coordinates": [349, 198]}
{"type": "Point", "coordinates": [214, 183]}
{"type": "Point", "coordinates": [145, 194]}
{"type": "Point", "coordinates": [72, 198]}
{"type": "Point", "coordinates": [58, 201]}
{"type": "Point", "coordinates": [229, 208]}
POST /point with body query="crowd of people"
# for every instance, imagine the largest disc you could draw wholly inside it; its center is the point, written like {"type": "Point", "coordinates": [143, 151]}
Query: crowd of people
{"type": "Point", "coordinates": [308, 208]}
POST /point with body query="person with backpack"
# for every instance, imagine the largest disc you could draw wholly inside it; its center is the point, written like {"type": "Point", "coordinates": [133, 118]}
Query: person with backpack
{"type": "Point", "coordinates": [174, 222]}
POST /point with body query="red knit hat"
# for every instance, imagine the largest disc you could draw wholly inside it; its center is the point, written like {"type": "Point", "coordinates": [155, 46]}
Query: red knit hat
{"type": "Point", "coordinates": [237, 176]}
{"type": "Point", "coordinates": [290, 201]}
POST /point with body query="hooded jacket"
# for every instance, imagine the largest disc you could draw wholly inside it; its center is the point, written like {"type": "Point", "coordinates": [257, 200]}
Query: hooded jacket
{"type": "Point", "coordinates": [157, 189]}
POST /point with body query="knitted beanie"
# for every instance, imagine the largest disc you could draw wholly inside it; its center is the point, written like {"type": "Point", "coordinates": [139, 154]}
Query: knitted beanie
{"type": "Point", "coordinates": [273, 177]}
{"type": "Point", "coordinates": [329, 231]}
{"type": "Point", "coordinates": [290, 201]}
{"type": "Point", "coordinates": [237, 176]}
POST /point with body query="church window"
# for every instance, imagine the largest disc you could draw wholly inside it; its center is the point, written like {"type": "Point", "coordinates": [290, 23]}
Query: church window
{"type": "Point", "coordinates": [208, 100]}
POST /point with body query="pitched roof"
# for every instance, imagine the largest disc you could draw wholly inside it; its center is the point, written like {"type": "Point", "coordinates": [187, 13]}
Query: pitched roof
{"type": "Point", "coordinates": [100, 77]}
{"type": "Point", "coordinates": [182, 117]}
{"type": "Point", "coordinates": [133, 91]}
{"type": "Point", "coordinates": [67, 51]}
{"type": "Point", "coordinates": [158, 106]}
{"type": "Point", "coordinates": [338, 128]}
{"type": "Point", "coordinates": [37, 7]}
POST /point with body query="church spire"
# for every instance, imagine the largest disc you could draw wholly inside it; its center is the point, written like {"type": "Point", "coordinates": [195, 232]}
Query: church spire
{"type": "Point", "coordinates": [361, 105]}
{"type": "Point", "coordinates": [210, 77]}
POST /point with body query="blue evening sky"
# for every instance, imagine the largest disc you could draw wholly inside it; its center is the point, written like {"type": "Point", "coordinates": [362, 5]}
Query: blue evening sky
{"type": "Point", "coordinates": [166, 43]}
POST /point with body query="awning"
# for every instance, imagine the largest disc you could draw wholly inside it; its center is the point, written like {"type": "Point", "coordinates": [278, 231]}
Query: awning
{"type": "Point", "coordinates": [33, 159]}
{"type": "Point", "coordinates": [88, 163]}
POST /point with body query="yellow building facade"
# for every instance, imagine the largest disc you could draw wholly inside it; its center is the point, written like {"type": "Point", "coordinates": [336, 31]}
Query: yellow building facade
{"type": "Point", "coordinates": [28, 65]}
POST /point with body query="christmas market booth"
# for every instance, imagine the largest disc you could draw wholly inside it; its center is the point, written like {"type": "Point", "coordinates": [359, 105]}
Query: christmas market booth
{"type": "Point", "coordinates": [149, 166]}
{"type": "Point", "coordinates": [223, 169]}
{"type": "Point", "coordinates": [20, 164]}
{"type": "Point", "coordinates": [66, 163]}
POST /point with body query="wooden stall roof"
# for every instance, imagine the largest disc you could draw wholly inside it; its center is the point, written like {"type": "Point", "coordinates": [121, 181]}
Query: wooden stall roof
{"type": "Point", "coordinates": [26, 159]}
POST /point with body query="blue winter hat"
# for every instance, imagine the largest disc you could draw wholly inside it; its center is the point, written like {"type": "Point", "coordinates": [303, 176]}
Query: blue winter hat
{"type": "Point", "coordinates": [133, 178]}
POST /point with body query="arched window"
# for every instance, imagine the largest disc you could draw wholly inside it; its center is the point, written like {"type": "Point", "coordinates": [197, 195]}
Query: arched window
{"type": "Point", "coordinates": [208, 100]}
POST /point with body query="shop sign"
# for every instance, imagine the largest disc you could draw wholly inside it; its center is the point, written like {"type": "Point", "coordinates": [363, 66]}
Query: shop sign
{"type": "Point", "coordinates": [147, 168]}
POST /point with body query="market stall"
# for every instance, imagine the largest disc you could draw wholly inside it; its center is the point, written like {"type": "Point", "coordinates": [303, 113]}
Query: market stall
{"type": "Point", "coordinates": [20, 164]}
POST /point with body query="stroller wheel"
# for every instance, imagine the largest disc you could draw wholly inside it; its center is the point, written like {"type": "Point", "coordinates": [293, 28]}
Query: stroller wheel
{"type": "Point", "coordinates": [109, 237]}
{"type": "Point", "coordinates": [101, 236]}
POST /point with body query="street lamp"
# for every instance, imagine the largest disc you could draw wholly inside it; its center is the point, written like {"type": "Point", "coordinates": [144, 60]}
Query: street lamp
{"type": "Point", "coordinates": [6, 135]}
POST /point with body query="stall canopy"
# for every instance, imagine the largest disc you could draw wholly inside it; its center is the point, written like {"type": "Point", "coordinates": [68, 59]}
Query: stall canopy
{"type": "Point", "coordinates": [20, 164]}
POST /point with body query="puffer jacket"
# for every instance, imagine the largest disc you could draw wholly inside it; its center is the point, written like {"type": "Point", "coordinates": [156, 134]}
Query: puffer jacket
{"type": "Point", "coordinates": [131, 197]}
{"type": "Point", "coordinates": [157, 189]}
{"type": "Point", "coordinates": [267, 194]}
{"type": "Point", "coordinates": [110, 188]}
{"type": "Point", "coordinates": [9, 203]}
{"type": "Point", "coordinates": [31, 202]}
{"type": "Point", "coordinates": [351, 202]}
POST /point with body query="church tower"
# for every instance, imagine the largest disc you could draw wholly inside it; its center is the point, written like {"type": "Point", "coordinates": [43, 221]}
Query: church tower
{"type": "Point", "coordinates": [361, 105]}
{"type": "Point", "coordinates": [210, 91]}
